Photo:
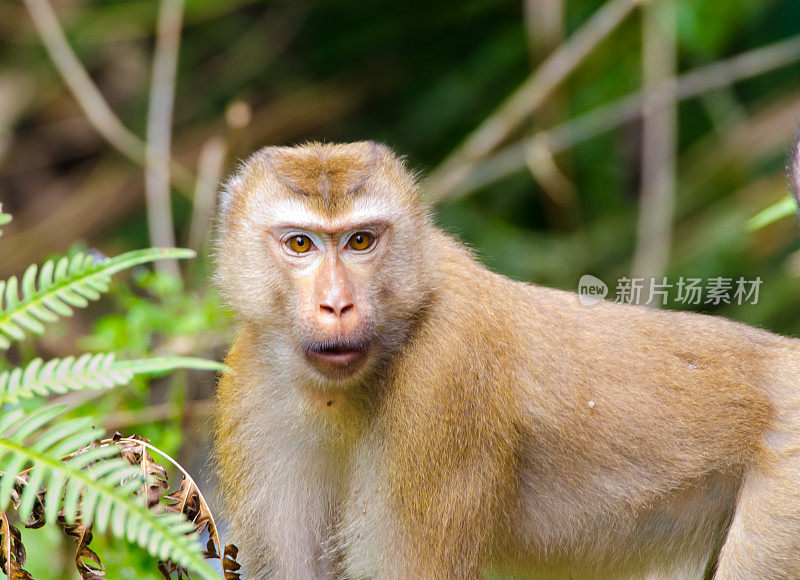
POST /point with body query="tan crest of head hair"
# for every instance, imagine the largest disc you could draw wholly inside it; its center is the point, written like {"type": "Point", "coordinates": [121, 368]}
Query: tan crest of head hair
{"type": "Point", "coordinates": [325, 176]}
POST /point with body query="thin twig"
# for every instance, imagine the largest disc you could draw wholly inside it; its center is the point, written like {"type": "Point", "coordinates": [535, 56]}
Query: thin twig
{"type": "Point", "coordinates": [659, 118]}
{"type": "Point", "coordinates": [79, 82]}
{"type": "Point", "coordinates": [157, 413]}
{"type": "Point", "coordinates": [606, 117]}
{"type": "Point", "coordinates": [159, 130]}
{"type": "Point", "coordinates": [723, 108]}
{"type": "Point", "coordinates": [86, 93]}
{"type": "Point", "coordinates": [15, 97]}
{"type": "Point", "coordinates": [696, 82]}
{"type": "Point", "coordinates": [210, 165]}
{"type": "Point", "coordinates": [544, 169]}
{"type": "Point", "coordinates": [528, 97]}
{"type": "Point", "coordinates": [544, 25]}
{"type": "Point", "coordinates": [544, 20]}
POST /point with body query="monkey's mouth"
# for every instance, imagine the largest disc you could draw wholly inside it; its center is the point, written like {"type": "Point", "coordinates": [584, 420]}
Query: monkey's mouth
{"type": "Point", "coordinates": [337, 357]}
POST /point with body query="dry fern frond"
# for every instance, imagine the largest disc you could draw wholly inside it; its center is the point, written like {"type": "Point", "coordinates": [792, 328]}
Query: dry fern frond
{"type": "Point", "coordinates": [186, 501]}
{"type": "Point", "coordinates": [12, 552]}
{"type": "Point", "coordinates": [87, 562]}
{"type": "Point", "coordinates": [230, 567]}
{"type": "Point", "coordinates": [154, 473]}
{"type": "Point", "coordinates": [92, 485]}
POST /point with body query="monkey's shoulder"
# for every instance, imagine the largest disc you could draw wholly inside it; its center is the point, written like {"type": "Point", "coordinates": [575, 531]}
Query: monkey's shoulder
{"type": "Point", "coordinates": [509, 339]}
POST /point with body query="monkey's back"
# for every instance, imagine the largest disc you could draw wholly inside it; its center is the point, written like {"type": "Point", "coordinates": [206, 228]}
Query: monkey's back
{"type": "Point", "coordinates": [533, 381]}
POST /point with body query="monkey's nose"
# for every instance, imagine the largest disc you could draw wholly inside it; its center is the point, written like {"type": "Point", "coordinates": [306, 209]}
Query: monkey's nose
{"type": "Point", "coordinates": [337, 308]}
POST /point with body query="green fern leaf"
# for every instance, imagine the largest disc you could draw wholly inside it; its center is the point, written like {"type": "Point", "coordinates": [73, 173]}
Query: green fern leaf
{"type": "Point", "coordinates": [62, 285]}
{"type": "Point", "coordinates": [88, 371]}
{"type": "Point", "coordinates": [95, 483]}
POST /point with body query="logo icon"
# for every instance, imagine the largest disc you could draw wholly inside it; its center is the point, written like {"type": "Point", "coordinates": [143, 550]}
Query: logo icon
{"type": "Point", "coordinates": [591, 290]}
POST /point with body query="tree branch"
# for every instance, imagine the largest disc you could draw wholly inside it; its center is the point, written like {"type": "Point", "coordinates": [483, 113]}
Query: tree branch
{"type": "Point", "coordinates": [86, 93]}
{"type": "Point", "coordinates": [159, 130]}
{"type": "Point", "coordinates": [606, 117]}
{"type": "Point", "coordinates": [209, 171]}
{"type": "Point", "coordinates": [659, 126]}
{"type": "Point", "coordinates": [528, 97]}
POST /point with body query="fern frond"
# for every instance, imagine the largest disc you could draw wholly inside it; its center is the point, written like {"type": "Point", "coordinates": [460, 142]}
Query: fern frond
{"type": "Point", "coordinates": [95, 483]}
{"type": "Point", "coordinates": [88, 371]}
{"type": "Point", "coordinates": [62, 285]}
{"type": "Point", "coordinates": [4, 218]}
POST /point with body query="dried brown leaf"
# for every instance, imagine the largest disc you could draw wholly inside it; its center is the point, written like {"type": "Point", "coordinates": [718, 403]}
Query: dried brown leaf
{"type": "Point", "coordinates": [87, 562]}
{"type": "Point", "coordinates": [186, 500]}
{"type": "Point", "coordinates": [12, 551]}
{"type": "Point", "coordinates": [168, 567]}
{"type": "Point", "coordinates": [136, 454]}
{"type": "Point", "coordinates": [37, 515]}
{"type": "Point", "coordinates": [230, 567]}
{"type": "Point", "coordinates": [210, 552]}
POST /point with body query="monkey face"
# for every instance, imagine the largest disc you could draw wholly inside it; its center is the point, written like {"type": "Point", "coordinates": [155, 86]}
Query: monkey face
{"type": "Point", "coordinates": [320, 245]}
{"type": "Point", "coordinates": [330, 266]}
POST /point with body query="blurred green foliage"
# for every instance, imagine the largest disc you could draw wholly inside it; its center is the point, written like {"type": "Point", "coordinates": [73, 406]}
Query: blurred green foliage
{"type": "Point", "coordinates": [154, 309]}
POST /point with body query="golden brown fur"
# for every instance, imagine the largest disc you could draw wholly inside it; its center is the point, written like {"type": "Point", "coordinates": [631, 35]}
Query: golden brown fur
{"type": "Point", "coordinates": [497, 425]}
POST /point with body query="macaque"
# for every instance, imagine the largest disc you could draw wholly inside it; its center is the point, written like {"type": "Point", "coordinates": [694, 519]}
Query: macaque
{"type": "Point", "coordinates": [396, 410]}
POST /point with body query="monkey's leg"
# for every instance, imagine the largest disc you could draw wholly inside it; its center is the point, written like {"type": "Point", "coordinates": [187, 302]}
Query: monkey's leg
{"type": "Point", "coordinates": [764, 537]}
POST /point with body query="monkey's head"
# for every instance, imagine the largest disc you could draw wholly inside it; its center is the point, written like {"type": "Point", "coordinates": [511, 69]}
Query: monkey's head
{"type": "Point", "coordinates": [322, 249]}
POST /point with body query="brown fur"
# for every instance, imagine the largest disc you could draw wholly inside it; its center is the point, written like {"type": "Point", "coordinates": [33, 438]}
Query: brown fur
{"type": "Point", "coordinates": [500, 425]}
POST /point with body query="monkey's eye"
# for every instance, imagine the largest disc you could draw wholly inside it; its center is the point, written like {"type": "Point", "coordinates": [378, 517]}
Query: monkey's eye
{"type": "Point", "coordinates": [361, 241]}
{"type": "Point", "coordinates": [299, 244]}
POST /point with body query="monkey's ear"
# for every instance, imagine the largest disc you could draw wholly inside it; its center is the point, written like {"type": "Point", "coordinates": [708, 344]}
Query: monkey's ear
{"type": "Point", "coordinates": [380, 152]}
{"type": "Point", "coordinates": [231, 188]}
{"type": "Point", "coordinates": [228, 192]}
{"type": "Point", "coordinates": [379, 149]}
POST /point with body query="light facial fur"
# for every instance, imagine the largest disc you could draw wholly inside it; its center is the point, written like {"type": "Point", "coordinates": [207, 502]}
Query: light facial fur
{"type": "Point", "coordinates": [395, 410]}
